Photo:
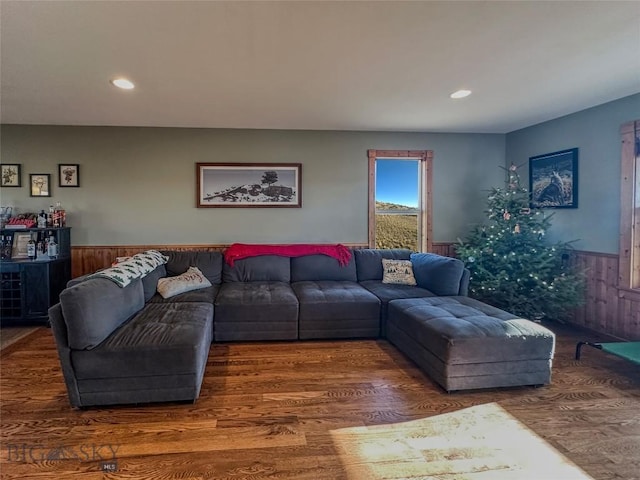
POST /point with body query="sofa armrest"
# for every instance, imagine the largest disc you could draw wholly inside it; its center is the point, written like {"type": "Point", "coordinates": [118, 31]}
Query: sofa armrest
{"type": "Point", "coordinates": [440, 275]}
{"type": "Point", "coordinates": [59, 328]}
{"type": "Point", "coordinates": [464, 283]}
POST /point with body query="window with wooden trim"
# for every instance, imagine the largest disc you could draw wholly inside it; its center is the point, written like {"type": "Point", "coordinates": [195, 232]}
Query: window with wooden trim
{"type": "Point", "coordinates": [402, 220]}
{"type": "Point", "coordinates": [629, 269]}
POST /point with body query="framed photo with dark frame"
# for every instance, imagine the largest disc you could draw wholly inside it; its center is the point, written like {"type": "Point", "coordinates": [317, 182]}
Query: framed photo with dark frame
{"type": "Point", "coordinates": [40, 185]}
{"type": "Point", "coordinates": [10, 175]}
{"type": "Point", "coordinates": [68, 175]}
{"type": "Point", "coordinates": [553, 179]}
{"type": "Point", "coordinates": [248, 185]}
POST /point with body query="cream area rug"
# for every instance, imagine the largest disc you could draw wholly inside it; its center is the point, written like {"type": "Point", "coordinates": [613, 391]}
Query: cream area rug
{"type": "Point", "coordinates": [479, 443]}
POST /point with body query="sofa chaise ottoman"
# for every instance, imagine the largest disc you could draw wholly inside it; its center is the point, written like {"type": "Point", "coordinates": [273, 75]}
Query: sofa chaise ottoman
{"type": "Point", "coordinates": [463, 344]}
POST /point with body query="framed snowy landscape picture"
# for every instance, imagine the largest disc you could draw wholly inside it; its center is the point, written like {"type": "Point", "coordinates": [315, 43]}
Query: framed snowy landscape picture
{"type": "Point", "coordinates": [249, 185]}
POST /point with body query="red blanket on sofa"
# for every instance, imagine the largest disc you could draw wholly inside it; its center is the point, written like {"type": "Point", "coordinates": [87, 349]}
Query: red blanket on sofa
{"type": "Point", "coordinates": [242, 250]}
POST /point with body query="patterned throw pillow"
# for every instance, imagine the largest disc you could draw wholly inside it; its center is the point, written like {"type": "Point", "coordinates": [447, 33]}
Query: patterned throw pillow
{"type": "Point", "coordinates": [192, 279]}
{"type": "Point", "coordinates": [126, 269]}
{"type": "Point", "coordinates": [397, 272]}
{"type": "Point", "coordinates": [148, 261]}
{"type": "Point", "coordinates": [122, 274]}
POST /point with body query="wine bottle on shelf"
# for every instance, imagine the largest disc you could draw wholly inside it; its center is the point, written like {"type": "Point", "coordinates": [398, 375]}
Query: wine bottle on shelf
{"type": "Point", "coordinates": [31, 248]}
{"type": "Point", "coordinates": [3, 253]}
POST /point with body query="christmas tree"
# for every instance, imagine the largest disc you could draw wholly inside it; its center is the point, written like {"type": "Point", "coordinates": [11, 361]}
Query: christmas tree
{"type": "Point", "coordinates": [512, 266]}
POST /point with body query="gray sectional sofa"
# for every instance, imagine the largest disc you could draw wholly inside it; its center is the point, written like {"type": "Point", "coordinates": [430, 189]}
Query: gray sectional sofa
{"type": "Point", "coordinates": [130, 345]}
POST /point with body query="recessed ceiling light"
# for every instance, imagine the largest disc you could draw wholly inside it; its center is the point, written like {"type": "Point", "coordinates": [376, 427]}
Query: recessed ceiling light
{"type": "Point", "coordinates": [460, 94]}
{"type": "Point", "coordinates": [123, 83]}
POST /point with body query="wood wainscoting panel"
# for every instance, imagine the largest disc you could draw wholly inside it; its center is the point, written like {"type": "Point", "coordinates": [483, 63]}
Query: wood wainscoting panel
{"type": "Point", "coordinates": [607, 309]}
{"type": "Point", "coordinates": [88, 259]}
{"type": "Point", "coordinates": [445, 249]}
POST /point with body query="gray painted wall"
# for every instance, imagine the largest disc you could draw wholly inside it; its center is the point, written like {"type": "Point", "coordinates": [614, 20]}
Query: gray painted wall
{"type": "Point", "coordinates": [595, 224]}
{"type": "Point", "coordinates": [137, 185]}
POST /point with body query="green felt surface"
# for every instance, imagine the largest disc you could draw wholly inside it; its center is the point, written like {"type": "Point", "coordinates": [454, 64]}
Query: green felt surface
{"type": "Point", "coordinates": [628, 350]}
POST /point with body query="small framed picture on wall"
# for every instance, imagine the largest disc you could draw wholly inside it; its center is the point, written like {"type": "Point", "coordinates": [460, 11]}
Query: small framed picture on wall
{"type": "Point", "coordinates": [11, 176]}
{"type": "Point", "coordinates": [40, 184]}
{"type": "Point", "coordinates": [68, 175]}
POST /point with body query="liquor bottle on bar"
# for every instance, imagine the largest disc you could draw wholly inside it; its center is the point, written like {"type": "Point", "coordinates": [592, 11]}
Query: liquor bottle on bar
{"type": "Point", "coordinates": [6, 247]}
{"type": "Point", "coordinates": [42, 220]}
{"type": "Point", "coordinates": [57, 216]}
{"type": "Point", "coordinates": [41, 249]}
{"type": "Point", "coordinates": [3, 252]}
{"type": "Point", "coordinates": [50, 217]}
{"type": "Point", "coordinates": [31, 248]}
{"type": "Point", "coordinates": [52, 247]}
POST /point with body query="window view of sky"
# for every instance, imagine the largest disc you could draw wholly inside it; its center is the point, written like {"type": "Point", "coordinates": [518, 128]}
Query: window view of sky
{"type": "Point", "coordinates": [397, 182]}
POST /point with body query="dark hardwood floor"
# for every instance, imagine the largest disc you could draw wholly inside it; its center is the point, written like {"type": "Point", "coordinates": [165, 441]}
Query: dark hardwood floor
{"type": "Point", "coordinates": [276, 410]}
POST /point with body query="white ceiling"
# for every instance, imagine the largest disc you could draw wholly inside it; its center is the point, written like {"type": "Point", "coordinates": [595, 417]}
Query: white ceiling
{"type": "Point", "coordinates": [359, 65]}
